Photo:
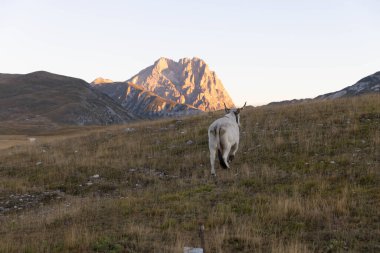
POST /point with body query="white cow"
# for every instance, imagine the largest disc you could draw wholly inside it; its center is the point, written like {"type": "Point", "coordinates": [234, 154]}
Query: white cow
{"type": "Point", "coordinates": [223, 135]}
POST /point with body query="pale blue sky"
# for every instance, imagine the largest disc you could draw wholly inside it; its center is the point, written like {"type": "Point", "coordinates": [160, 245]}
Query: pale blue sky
{"type": "Point", "coordinates": [262, 51]}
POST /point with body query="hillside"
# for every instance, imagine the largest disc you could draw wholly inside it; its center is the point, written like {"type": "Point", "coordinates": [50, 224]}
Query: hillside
{"type": "Point", "coordinates": [134, 98]}
{"type": "Point", "coordinates": [305, 179]}
{"type": "Point", "coordinates": [188, 81]}
{"type": "Point", "coordinates": [42, 99]}
{"type": "Point", "coordinates": [369, 84]}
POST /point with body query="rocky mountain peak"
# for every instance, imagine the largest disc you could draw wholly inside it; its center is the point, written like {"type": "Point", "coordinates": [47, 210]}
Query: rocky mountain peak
{"type": "Point", "coordinates": [188, 81]}
{"type": "Point", "coordinates": [101, 80]}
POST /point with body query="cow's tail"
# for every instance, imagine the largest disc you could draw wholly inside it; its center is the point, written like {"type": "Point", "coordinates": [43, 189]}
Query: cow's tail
{"type": "Point", "coordinates": [220, 149]}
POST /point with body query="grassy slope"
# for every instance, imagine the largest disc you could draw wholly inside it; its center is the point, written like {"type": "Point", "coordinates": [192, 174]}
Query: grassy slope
{"type": "Point", "coordinates": [306, 178]}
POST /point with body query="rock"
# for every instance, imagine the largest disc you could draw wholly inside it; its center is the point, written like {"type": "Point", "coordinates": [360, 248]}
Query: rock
{"type": "Point", "coordinates": [96, 176]}
{"type": "Point", "coordinates": [189, 142]}
{"type": "Point", "coordinates": [129, 130]}
{"type": "Point", "coordinates": [38, 163]}
{"type": "Point", "coordinates": [192, 250]}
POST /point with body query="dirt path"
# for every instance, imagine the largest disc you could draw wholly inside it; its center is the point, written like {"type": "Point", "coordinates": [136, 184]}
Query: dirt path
{"type": "Point", "coordinates": [8, 141]}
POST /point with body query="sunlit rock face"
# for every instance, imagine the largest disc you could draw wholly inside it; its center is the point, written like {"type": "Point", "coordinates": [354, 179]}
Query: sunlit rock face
{"type": "Point", "coordinates": [101, 80]}
{"type": "Point", "coordinates": [188, 81]}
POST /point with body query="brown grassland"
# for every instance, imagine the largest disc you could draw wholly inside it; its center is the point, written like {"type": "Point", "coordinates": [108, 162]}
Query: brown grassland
{"type": "Point", "coordinates": [306, 178]}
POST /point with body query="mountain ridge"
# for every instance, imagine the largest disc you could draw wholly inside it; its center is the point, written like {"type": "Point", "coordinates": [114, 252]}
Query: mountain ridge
{"type": "Point", "coordinates": [366, 85]}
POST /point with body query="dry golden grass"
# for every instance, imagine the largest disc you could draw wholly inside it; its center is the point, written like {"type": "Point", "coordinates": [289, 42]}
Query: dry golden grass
{"type": "Point", "coordinates": [306, 179]}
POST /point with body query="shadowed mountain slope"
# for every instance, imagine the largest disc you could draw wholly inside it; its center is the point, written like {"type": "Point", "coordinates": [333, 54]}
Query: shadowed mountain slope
{"type": "Point", "coordinates": [46, 98]}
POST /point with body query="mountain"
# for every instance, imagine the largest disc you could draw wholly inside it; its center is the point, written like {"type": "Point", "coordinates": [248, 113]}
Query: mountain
{"type": "Point", "coordinates": [369, 84]}
{"type": "Point", "coordinates": [139, 101]}
{"type": "Point", "coordinates": [188, 81]}
{"type": "Point", "coordinates": [43, 98]}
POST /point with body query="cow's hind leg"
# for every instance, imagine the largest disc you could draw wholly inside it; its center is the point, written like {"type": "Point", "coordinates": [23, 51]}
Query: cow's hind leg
{"type": "Point", "coordinates": [225, 154]}
{"type": "Point", "coordinates": [221, 160]}
{"type": "Point", "coordinates": [231, 156]}
{"type": "Point", "coordinates": [212, 146]}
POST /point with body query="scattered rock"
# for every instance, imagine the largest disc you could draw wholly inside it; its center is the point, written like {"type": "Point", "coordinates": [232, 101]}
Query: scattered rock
{"type": "Point", "coordinates": [96, 176]}
{"type": "Point", "coordinates": [38, 163]}
{"type": "Point", "coordinates": [189, 142]}
{"type": "Point", "coordinates": [129, 130]}
{"type": "Point", "coordinates": [192, 250]}
{"type": "Point", "coordinates": [16, 202]}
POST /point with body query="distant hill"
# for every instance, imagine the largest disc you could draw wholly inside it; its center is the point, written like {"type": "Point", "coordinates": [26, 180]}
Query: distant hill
{"type": "Point", "coordinates": [188, 81]}
{"type": "Point", "coordinates": [43, 98]}
{"type": "Point", "coordinates": [369, 84]}
{"type": "Point", "coordinates": [141, 102]}
{"type": "Point", "coordinates": [293, 101]}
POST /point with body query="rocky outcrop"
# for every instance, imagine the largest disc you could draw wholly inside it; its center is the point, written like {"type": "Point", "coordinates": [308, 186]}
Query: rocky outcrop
{"type": "Point", "coordinates": [188, 81]}
{"type": "Point", "coordinates": [142, 102]}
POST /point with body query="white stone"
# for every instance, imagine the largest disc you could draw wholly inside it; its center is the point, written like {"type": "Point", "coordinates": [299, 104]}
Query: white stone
{"type": "Point", "coordinates": [192, 250]}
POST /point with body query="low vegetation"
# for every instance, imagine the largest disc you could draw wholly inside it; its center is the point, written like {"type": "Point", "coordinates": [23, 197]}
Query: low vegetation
{"type": "Point", "coordinates": [306, 178]}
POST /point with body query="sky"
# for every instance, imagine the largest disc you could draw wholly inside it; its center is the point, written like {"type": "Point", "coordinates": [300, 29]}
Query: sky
{"type": "Point", "coordinates": [262, 51]}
